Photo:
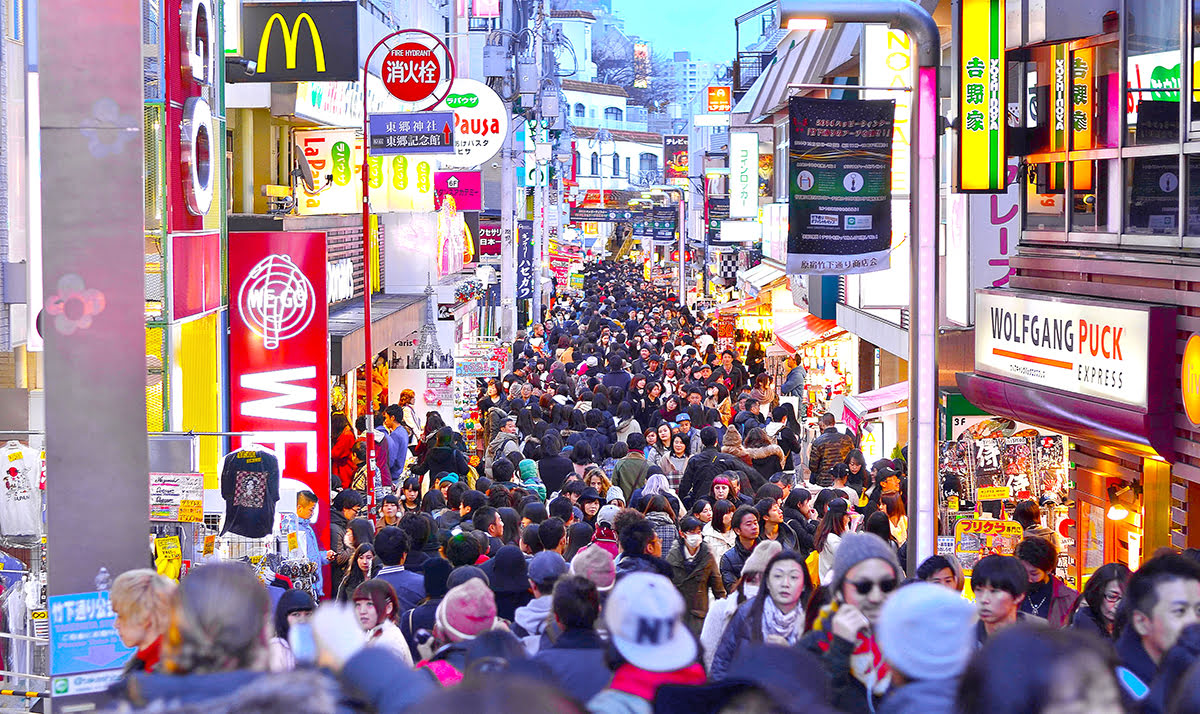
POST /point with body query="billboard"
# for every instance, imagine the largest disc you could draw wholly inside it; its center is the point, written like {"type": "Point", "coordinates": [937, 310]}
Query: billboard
{"type": "Point", "coordinates": [675, 158]}
{"type": "Point", "coordinates": [314, 42]}
{"type": "Point", "coordinates": [981, 96]}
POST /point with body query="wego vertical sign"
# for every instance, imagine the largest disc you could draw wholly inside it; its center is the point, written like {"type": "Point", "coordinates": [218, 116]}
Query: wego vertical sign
{"type": "Point", "coordinates": [278, 357]}
{"type": "Point", "coordinates": [301, 41]}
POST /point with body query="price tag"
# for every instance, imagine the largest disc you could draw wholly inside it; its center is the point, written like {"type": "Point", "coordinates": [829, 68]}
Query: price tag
{"type": "Point", "coordinates": [14, 456]}
{"type": "Point", "coordinates": [993, 493]}
{"type": "Point", "coordinates": [170, 556]}
{"type": "Point", "coordinates": [191, 511]}
{"type": "Point", "coordinates": [293, 542]}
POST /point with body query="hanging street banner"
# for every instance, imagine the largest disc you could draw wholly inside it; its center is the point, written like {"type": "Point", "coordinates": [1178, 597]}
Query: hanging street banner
{"type": "Point", "coordinates": [602, 215]}
{"type": "Point", "coordinates": [525, 265]}
{"type": "Point", "coordinates": [416, 133]}
{"type": "Point", "coordinates": [675, 159]}
{"type": "Point", "coordinates": [663, 221]}
{"type": "Point", "coordinates": [839, 174]}
{"type": "Point", "coordinates": [743, 174]}
{"type": "Point", "coordinates": [718, 210]}
{"type": "Point", "coordinates": [981, 97]}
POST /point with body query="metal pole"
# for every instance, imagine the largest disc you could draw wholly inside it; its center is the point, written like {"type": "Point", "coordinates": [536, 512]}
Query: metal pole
{"type": "Point", "coordinates": [923, 242]}
{"type": "Point", "coordinates": [682, 223]}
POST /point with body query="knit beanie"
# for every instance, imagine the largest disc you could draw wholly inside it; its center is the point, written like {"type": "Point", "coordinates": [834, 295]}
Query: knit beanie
{"type": "Point", "coordinates": [614, 494]}
{"type": "Point", "coordinates": [467, 611]}
{"type": "Point", "coordinates": [854, 549]}
{"type": "Point", "coordinates": [595, 564]}
{"type": "Point", "coordinates": [927, 631]}
{"type": "Point", "coordinates": [760, 556]}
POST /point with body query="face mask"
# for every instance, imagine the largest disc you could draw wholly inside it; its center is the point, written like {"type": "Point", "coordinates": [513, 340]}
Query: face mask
{"type": "Point", "coordinates": [692, 540]}
{"type": "Point", "coordinates": [750, 591]}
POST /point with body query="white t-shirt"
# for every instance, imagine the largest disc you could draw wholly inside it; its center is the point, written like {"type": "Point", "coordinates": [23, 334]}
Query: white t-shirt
{"type": "Point", "coordinates": [20, 501]}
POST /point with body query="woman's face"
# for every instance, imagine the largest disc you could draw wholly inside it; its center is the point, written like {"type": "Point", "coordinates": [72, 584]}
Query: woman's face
{"type": "Point", "coordinates": [411, 495]}
{"type": "Point", "coordinates": [591, 508]}
{"type": "Point", "coordinates": [526, 391]}
{"type": "Point", "coordinates": [705, 514]}
{"type": "Point", "coordinates": [299, 617]}
{"type": "Point", "coordinates": [640, 384]}
{"type": "Point", "coordinates": [727, 520]}
{"type": "Point", "coordinates": [368, 616]}
{"type": "Point", "coordinates": [678, 446]}
{"type": "Point", "coordinates": [721, 491]}
{"type": "Point", "coordinates": [664, 434]}
{"type": "Point", "coordinates": [492, 391]}
{"type": "Point", "coordinates": [594, 482]}
{"type": "Point", "coordinates": [1113, 592]}
{"type": "Point", "coordinates": [785, 584]}
{"type": "Point", "coordinates": [365, 561]}
{"type": "Point", "coordinates": [651, 438]}
{"type": "Point", "coordinates": [855, 467]}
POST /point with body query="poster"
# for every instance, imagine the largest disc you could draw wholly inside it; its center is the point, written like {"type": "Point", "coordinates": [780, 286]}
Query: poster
{"type": "Point", "coordinates": [439, 386]}
{"type": "Point", "coordinates": [177, 497]}
{"type": "Point", "coordinates": [675, 159]}
{"type": "Point", "coordinates": [988, 470]}
{"type": "Point", "coordinates": [1050, 463]}
{"type": "Point", "coordinates": [954, 470]}
{"type": "Point", "coordinates": [975, 539]}
{"type": "Point", "coordinates": [839, 178]}
{"type": "Point", "coordinates": [1016, 459]}
{"type": "Point", "coordinates": [525, 266]}
{"type": "Point", "coordinates": [726, 332]}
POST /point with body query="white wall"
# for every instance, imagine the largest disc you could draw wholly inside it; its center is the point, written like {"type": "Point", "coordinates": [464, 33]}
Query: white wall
{"type": "Point", "coordinates": [579, 34]}
{"type": "Point", "coordinates": [594, 105]}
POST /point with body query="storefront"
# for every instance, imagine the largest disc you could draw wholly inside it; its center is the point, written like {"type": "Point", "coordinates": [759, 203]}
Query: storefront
{"type": "Point", "coordinates": [1101, 373]}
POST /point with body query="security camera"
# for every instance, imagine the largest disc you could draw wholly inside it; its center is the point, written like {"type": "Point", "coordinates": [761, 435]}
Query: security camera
{"type": "Point", "coordinates": [240, 68]}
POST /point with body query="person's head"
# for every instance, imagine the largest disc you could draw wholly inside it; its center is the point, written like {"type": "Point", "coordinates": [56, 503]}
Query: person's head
{"type": "Point", "coordinates": [800, 500]}
{"type": "Point", "coordinates": [544, 571]}
{"type": "Point", "coordinates": [708, 437]}
{"type": "Point", "coordinates": [639, 538]}
{"type": "Point", "coordinates": [348, 502]}
{"type": "Point", "coordinates": [664, 434]}
{"type": "Point", "coordinates": [1163, 598]}
{"type": "Point", "coordinates": [433, 501]}
{"type": "Point", "coordinates": [503, 471]}
{"type": "Point", "coordinates": [552, 533]}
{"type": "Point", "coordinates": [827, 420]}
{"type": "Point", "coordinates": [306, 504]}
{"type": "Point", "coordinates": [865, 572]}
{"type": "Point", "coordinates": [461, 549]}
{"type": "Point", "coordinates": [722, 519]}
{"type": "Point", "coordinates": [534, 512]}
{"type": "Point", "coordinates": [702, 509]}
{"type": "Point", "coordinates": [576, 602]}
{"type": "Point", "coordinates": [486, 519]}
{"type": "Point", "coordinates": [1104, 591]}
{"type": "Point", "coordinates": [219, 622]}
{"type": "Point", "coordinates": [294, 606]}
{"type": "Point", "coordinates": [786, 581]}
{"type": "Point", "coordinates": [940, 570]}
{"type": "Point", "coordinates": [745, 524]}
{"type": "Point", "coordinates": [722, 486]}
{"type": "Point", "coordinates": [1028, 513]}
{"type": "Point", "coordinates": [999, 583]}
{"type": "Point", "coordinates": [509, 425]}
{"type": "Point", "coordinates": [364, 559]}
{"type": "Point", "coordinates": [644, 614]}
{"type": "Point", "coordinates": [467, 611]}
{"type": "Point", "coordinates": [834, 522]}
{"type": "Point", "coordinates": [1041, 671]}
{"type": "Point", "coordinates": [562, 509]}
{"type": "Point", "coordinates": [877, 524]}
{"type": "Point", "coordinates": [926, 632]}
{"type": "Point", "coordinates": [679, 445]}
{"type": "Point", "coordinates": [375, 602]}
{"type": "Point", "coordinates": [141, 600]}
{"type": "Point", "coordinates": [1039, 557]}
{"type": "Point", "coordinates": [392, 416]}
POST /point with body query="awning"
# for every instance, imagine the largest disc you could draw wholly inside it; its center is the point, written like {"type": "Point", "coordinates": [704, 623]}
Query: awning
{"type": "Point", "coordinates": [740, 304]}
{"type": "Point", "coordinates": [753, 280]}
{"type": "Point", "coordinates": [861, 407]}
{"type": "Point", "coordinates": [795, 335]}
{"type": "Point", "coordinates": [1146, 433]}
{"type": "Point", "coordinates": [803, 57]}
{"type": "Point", "coordinates": [393, 318]}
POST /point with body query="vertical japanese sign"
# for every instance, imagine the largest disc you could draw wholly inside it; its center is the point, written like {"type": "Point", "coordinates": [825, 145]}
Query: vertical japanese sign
{"type": "Point", "coordinates": [489, 241]}
{"type": "Point", "coordinates": [675, 159]}
{"type": "Point", "coordinates": [1083, 110]}
{"type": "Point", "coordinates": [981, 96]}
{"type": "Point", "coordinates": [743, 174]}
{"type": "Point", "coordinates": [887, 61]}
{"type": "Point", "coordinates": [279, 355]}
{"type": "Point", "coordinates": [839, 174]}
{"type": "Point", "coordinates": [525, 266]}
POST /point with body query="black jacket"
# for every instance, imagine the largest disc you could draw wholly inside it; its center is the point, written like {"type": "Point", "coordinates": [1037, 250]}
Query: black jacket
{"type": "Point", "coordinates": [830, 448]}
{"type": "Point", "coordinates": [421, 617]}
{"type": "Point", "coordinates": [745, 421]}
{"type": "Point", "coordinates": [702, 468]}
{"type": "Point", "coordinates": [439, 459]}
{"type": "Point", "coordinates": [643, 564]}
{"type": "Point", "coordinates": [732, 562]}
{"type": "Point", "coordinates": [575, 662]}
{"type": "Point", "coordinates": [695, 582]}
{"type": "Point", "coordinates": [554, 471]}
{"type": "Point", "coordinates": [787, 537]}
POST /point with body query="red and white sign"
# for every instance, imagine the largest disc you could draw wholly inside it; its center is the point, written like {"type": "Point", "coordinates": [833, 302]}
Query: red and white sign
{"type": "Point", "coordinates": [489, 239]}
{"type": "Point", "coordinates": [411, 71]}
{"type": "Point", "coordinates": [278, 355]}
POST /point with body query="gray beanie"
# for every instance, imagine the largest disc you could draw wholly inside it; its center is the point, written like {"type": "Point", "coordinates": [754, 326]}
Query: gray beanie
{"type": "Point", "coordinates": [926, 631]}
{"type": "Point", "coordinates": [854, 549]}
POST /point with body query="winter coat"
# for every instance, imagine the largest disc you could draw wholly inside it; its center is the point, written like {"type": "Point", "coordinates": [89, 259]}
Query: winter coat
{"type": "Point", "coordinates": [1062, 600]}
{"type": "Point", "coordinates": [501, 445]}
{"type": "Point", "coordinates": [743, 628]}
{"type": "Point", "coordinates": [575, 662]}
{"type": "Point", "coordinates": [787, 537]}
{"type": "Point", "coordinates": [747, 420]}
{"type": "Point", "coordinates": [627, 427]}
{"type": "Point", "coordinates": [732, 562]}
{"type": "Point", "coordinates": [1133, 656]}
{"type": "Point", "coordinates": [719, 615]}
{"type": "Point", "coordinates": [439, 459]}
{"type": "Point", "coordinates": [632, 690]}
{"type": "Point", "coordinates": [845, 662]}
{"type": "Point", "coordinates": [389, 637]}
{"type": "Point", "coordinates": [1089, 621]}
{"type": "Point", "coordinates": [422, 617]}
{"type": "Point", "coordinates": [928, 696]}
{"type": "Point", "coordinates": [825, 560]}
{"type": "Point", "coordinates": [630, 474]}
{"type": "Point", "coordinates": [717, 541]}
{"type": "Point", "coordinates": [339, 456]}
{"type": "Point", "coordinates": [830, 448]}
{"type": "Point", "coordinates": [767, 460]}
{"type": "Point", "coordinates": [642, 564]}
{"type": "Point", "coordinates": [695, 581]}
{"type": "Point", "coordinates": [703, 468]}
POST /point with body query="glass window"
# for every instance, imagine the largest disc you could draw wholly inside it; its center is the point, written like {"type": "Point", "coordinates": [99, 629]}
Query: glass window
{"type": "Point", "coordinates": [1193, 199]}
{"type": "Point", "coordinates": [647, 162]}
{"type": "Point", "coordinates": [627, 166]}
{"type": "Point", "coordinates": [1049, 100]}
{"type": "Point", "coordinates": [1045, 199]}
{"type": "Point", "coordinates": [616, 165]}
{"type": "Point", "coordinates": [595, 164]}
{"type": "Point", "coordinates": [580, 111]}
{"type": "Point", "coordinates": [1152, 195]}
{"type": "Point", "coordinates": [1095, 124]}
{"type": "Point", "coordinates": [1152, 71]}
{"type": "Point", "coordinates": [1091, 209]}
{"type": "Point", "coordinates": [613, 113]}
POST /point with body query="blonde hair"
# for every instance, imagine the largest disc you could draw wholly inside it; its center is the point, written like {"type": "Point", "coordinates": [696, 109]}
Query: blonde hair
{"type": "Point", "coordinates": [218, 621]}
{"type": "Point", "coordinates": [143, 595]}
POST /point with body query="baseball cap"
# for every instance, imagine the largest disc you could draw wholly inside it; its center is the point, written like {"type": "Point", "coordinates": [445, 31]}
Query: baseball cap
{"type": "Point", "coordinates": [546, 566]}
{"type": "Point", "coordinates": [644, 614]}
{"type": "Point", "coordinates": [606, 514]}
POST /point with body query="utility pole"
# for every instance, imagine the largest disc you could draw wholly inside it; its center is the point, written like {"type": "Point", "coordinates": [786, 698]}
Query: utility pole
{"type": "Point", "coordinates": [508, 239]}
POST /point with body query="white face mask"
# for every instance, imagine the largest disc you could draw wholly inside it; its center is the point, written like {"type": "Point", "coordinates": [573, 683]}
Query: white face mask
{"type": "Point", "coordinates": [692, 540]}
{"type": "Point", "coordinates": [750, 591]}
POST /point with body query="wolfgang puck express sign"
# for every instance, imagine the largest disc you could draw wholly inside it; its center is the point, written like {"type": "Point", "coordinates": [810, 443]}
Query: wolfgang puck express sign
{"type": "Point", "coordinates": [1089, 348]}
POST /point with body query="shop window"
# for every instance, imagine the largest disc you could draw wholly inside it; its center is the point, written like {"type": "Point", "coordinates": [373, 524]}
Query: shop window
{"type": "Point", "coordinates": [1094, 122]}
{"type": "Point", "coordinates": [1152, 195]}
{"type": "Point", "coordinates": [1091, 209]}
{"type": "Point", "coordinates": [1152, 71]}
{"type": "Point", "coordinates": [1193, 196]}
{"type": "Point", "coordinates": [1045, 197]}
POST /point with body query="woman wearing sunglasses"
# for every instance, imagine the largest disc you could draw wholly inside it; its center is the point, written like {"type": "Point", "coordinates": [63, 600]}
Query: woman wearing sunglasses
{"type": "Point", "coordinates": [865, 573]}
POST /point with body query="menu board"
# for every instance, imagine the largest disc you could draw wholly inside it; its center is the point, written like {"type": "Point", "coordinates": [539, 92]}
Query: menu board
{"type": "Point", "coordinates": [177, 497]}
{"type": "Point", "coordinates": [975, 539]}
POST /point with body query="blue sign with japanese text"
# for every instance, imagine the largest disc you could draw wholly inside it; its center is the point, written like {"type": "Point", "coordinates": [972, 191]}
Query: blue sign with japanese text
{"type": "Point", "coordinates": [414, 133]}
{"type": "Point", "coordinates": [83, 634]}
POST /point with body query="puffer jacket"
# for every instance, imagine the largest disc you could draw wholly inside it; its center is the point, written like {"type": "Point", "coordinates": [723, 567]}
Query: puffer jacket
{"type": "Point", "coordinates": [502, 444]}
{"type": "Point", "coordinates": [732, 563]}
{"type": "Point", "coordinates": [830, 448]}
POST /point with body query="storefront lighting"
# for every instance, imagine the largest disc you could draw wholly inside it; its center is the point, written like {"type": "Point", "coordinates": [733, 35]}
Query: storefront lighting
{"type": "Point", "coordinates": [1117, 512]}
{"type": "Point", "coordinates": [1118, 494]}
{"type": "Point", "coordinates": [807, 24]}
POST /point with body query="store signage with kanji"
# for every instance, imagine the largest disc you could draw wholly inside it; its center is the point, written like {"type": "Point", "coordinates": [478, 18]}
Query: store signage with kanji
{"type": "Point", "coordinates": [418, 70]}
{"type": "Point", "coordinates": [981, 97]}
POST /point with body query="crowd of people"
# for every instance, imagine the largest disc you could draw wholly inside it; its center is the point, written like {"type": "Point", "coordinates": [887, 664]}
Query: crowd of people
{"type": "Point", "coordinates": [650, 529]}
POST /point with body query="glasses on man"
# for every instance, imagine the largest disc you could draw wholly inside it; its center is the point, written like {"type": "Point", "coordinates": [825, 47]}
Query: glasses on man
{"type": "Point", "coordinates": [864, 587]}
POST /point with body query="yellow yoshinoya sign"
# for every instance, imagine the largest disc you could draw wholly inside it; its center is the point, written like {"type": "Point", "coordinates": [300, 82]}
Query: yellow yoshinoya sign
{"type": "Point", "coordinates": [981, 96]}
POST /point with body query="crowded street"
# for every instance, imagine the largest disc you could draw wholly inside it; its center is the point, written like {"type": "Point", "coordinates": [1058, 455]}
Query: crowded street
{"type": "Point", "coordinates": [599, 356]}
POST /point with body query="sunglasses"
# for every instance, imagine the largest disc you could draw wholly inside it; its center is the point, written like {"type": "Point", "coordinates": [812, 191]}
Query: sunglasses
{"type": "Point", "coordinates": [864, 587]}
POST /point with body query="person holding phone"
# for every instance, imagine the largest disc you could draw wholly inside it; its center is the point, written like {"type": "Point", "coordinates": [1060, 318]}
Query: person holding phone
{"type": "Point", "coordinates": [865, 573]}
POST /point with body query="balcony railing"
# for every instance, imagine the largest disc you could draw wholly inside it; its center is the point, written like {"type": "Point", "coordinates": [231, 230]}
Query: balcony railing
{"type": "Point", "coordinates": [748, 66]}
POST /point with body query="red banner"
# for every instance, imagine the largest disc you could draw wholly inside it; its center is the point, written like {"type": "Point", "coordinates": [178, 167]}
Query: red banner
{"type": "Point", "coordinates": [278, 356]}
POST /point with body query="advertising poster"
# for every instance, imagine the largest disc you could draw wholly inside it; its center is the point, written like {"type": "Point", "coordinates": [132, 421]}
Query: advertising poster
{"type": "Point", "coordinates": [525, 266]}
{"type": "Point", "coordinates": [975, 539]}
{"type": "Point", "coordinates": [675, 159]}
{"type": "Point", "coordinates": [1050, 461]}
{"type": "Point", "coordinates": [1016, 458]}
{"type": "Point", "coordinates": [839, 177]}
{"type": "Point", "coordinates": [409, 183]}
{"type": "Point", "coordinates": [333, 159]}
{"type": "Point", "coordinates": [489, 240]}
{"type": "Point", "coordinates": [954, 470]}
{"type": "Point", "coordinates": [989, 473]}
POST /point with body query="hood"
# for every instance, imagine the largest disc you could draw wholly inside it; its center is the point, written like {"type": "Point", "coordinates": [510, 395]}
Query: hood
{"type": "Point", "coordinates": [732, 440]}
{"type": "Point", "coordinates": [533, 617]}
{"type": "Point", "coordinates": [499, 439]}
{"type": "Point", "coordinates": [225, 692]}
{"type": "Point", "coordinates": [762, 452]}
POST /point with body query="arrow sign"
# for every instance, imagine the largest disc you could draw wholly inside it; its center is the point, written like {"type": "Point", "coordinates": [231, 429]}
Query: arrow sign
{"type": "Point", "coordinates": [414, 133]}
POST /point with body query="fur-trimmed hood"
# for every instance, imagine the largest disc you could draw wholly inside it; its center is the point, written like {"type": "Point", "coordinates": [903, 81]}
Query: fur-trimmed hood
{"type": "Point", "coordinates": [761, 452]}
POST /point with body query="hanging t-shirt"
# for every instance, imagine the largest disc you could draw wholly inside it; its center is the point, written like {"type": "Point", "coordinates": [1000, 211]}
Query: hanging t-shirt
{"type": "Point", "coordinates": [20, 500]}
{"type": "Point", "coordinates": [250, 487]}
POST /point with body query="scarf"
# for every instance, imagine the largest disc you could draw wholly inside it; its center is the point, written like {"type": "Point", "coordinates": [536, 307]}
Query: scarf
{"type": "Point", "coordinates": [866, 661]}
{"type": "Point", "coordinates": [780, 624]}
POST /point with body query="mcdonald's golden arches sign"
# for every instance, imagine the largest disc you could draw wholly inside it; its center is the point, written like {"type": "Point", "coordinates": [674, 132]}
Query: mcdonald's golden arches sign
{"type": "Point", "coordinates": [301, 41]}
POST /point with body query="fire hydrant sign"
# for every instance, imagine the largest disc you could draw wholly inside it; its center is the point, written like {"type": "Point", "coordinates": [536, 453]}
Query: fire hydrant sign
{"type": "Point", "coordinates": [411, 71]}
{"type": "Point", "coordinates": [413, 133]}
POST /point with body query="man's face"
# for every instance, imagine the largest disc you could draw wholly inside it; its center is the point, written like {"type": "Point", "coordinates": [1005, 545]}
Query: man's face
{"type": "Point", "coordinates": [351, 513]}
{"type": "Point", "coordinates": [748, 528]}
{"type": "Point", "coordinates": [996, 606]}
{"type": "Point", "coordinates": [1178, 606]}
{"type": "Point", "coordinates": [305, 508]}
{"type": "Point", "coordinates": [945, 578]}
{"type": "Point", "coordinates": [389, 510]}
{"type": "Point", "coordinates": [653, 365]}
{"type": "Point", "coordinates": [1037, 576]}
{"type": "Point", "coordinates": [497, 528]}
{"type": "Point", "coordinates": [726, 361]}
{"type": "Point", "coordinates": [388, 421]}
{"type": "Point", "coordinates": [644, 352]}
{"type": "Point", "coordinates": [510, 427]}
{"type": "Point", "coordinates": [654, 547]}
{"type": "Point", "coordinates": [694, 398]}
{"type": "Point", "coordinates": [874, 576]}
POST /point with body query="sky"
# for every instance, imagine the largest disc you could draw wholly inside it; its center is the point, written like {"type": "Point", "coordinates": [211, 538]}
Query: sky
{"type": "Point", "coordinates": [703, 27]}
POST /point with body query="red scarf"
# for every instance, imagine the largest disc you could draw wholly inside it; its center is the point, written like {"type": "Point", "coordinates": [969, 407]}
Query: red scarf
{"type": "Point", "coordinates": [645, 684]}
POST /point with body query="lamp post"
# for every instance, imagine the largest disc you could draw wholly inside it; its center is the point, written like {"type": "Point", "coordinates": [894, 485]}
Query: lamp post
{"type": "Point", "coordinates": [923, 237]}
{"type": "Point", "coordinates": [602, 136]}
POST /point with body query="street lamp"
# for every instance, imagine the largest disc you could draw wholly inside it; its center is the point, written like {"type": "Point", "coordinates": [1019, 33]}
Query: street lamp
{"type": "Point", "coordinates": [923, 232]}
{"type": "Point", "coordinates": [602, 135]}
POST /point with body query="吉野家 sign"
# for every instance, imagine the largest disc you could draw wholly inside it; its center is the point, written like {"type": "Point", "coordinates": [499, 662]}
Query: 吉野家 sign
{"type": "Point", "coordinates": [720, 99]}
{"type": "Point", "coordinates": [839, 174]}
{"type": "Point", "coordinates": [743, 174]}
{"type": "Point", "coordinates": [315, 42]}
{"type": "Point", "coordinates": [981, 97]}
{"type": "Point", "coordinates": [1087, 348]}
{"type": "Point", "coordinates": [414, 133]}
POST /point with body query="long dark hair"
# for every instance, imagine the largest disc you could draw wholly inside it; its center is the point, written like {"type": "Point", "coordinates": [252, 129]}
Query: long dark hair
{"type": "Point", "coordinates": [1093, 590]}
{"type": "Point", "coordinates": [337, 424]}
{"type": "Point", "coordinates": [760, 600]}
{"type": "Point", "coordinates": [354, 574]}
{"type": "Point", "coordinates": [721, 508]}
{"type": "Point", "coordinates": [834, 521]}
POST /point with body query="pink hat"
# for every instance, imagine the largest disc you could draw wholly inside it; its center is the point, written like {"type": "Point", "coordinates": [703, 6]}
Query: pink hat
{"type": "Point", "coordinates": [596, 564]}
{"type": "Point", "coordinates": [467, 611]}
